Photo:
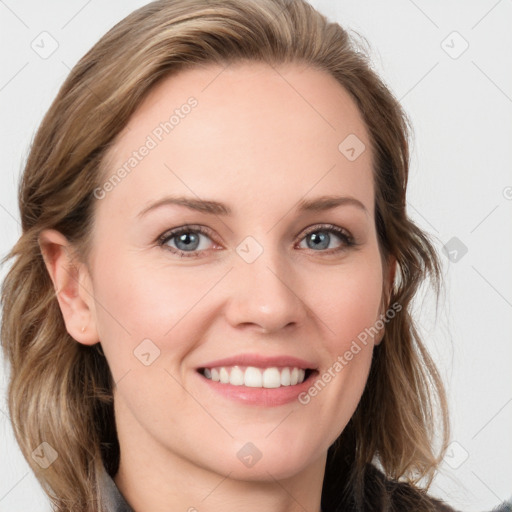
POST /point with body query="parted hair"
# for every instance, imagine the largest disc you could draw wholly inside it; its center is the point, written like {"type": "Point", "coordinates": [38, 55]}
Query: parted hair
{"type": "Point", "coordinates": [61, 392]}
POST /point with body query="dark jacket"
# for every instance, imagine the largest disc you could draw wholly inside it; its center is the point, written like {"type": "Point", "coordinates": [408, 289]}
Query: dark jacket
{"type": "Point", "coordinates": [113, 500]}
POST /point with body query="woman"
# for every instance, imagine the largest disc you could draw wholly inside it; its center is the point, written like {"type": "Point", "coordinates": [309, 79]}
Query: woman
{"type": "Point", "coordinates": [209, 305]}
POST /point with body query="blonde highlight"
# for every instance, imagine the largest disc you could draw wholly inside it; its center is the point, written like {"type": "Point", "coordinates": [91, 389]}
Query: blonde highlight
{"type": "Point", "coordinates": [60, 391]}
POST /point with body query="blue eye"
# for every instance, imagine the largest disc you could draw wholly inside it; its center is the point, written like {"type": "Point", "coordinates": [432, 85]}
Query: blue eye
{"type": "Point", "coordinates": [321, 237]}
{"type": "Point", "coordinates": [185, 241]}
{"type": "Point", "coordinates": [192, 241]}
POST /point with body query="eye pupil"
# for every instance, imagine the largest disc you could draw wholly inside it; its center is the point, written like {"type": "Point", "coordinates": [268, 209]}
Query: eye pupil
{"type": "Point", "coordinates": [189, 240]}
{"type": "Point", "coordinates": [319, 240]}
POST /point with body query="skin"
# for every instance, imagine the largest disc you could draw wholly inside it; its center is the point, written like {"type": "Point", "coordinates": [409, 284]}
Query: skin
{"type": "Point", "coordinates": [259, 140]}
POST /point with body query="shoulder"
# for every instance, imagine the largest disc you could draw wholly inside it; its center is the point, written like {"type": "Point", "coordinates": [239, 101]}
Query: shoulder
{"type": "Point", "coordinates": [404, 496]}
{"type": "Point", "coordinates": [382, 493]}
{"type": "Point", "coordinates": [505, 507]}
{"type": "Point", "coordinates": [111, 498]}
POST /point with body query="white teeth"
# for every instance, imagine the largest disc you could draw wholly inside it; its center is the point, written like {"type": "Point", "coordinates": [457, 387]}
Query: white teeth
{"type": "Point", "coordinates": [271, 378]}
{"type": "Point", "coordinates": [237, 376]}
{"type": "Point", "coordinates": [285, 377]}
{"type": "Point", "coordinates": [224, 376]}
{"type": "Point", "coordinates": [253, 377]}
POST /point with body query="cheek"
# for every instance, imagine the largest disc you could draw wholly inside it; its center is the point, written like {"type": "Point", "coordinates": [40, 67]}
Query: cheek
{"type": "Point", "coordinates": [350, 301]}
{"type": "Point", "coordinates": [347, 303]}
{"type": "Point", "coordinates": [147, 301]}
{"type": "Point", "coordinates": [139, 301]}
{"type": "Point", "coordinates": [349, 310]}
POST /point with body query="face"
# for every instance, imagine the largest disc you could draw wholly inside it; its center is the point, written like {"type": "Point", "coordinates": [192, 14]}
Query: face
{"type": "Point", "coordinates": [240, 246]}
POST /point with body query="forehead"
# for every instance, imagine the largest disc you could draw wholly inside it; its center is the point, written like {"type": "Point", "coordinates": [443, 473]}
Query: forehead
{"type": "Point", "coordinates": [242, 132]}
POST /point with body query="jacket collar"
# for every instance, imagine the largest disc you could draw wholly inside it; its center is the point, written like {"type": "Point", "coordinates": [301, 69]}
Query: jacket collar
{"type": "Point", "coordinates": [113, 500]}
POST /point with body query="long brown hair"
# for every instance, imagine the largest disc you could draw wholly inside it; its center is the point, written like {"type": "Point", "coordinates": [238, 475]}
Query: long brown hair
{"type": "Point", "coordinates": [60, 391]}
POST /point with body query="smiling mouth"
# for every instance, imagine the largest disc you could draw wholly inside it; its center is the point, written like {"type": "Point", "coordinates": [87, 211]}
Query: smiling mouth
{"type": "Point", "coordinates": [254, 377]}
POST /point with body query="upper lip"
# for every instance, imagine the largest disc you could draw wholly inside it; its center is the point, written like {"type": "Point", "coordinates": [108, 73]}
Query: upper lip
{"type": "Point", "coordinates": [261, 362]}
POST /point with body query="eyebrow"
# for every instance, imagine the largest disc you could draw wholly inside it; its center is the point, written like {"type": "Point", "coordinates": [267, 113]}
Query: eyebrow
{"type": "Point", "coordinates": [318, 204]}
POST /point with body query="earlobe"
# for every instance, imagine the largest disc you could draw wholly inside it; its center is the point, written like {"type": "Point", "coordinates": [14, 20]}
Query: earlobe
{"type": "Point", "coordinates": [71, 281]}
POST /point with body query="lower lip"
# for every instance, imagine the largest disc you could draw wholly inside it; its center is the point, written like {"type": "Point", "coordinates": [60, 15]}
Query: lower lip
{"type": "Point", "coordinates": [267, 397]}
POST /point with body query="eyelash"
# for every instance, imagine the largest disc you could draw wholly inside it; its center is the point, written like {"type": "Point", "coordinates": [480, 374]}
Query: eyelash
{"type": "Point", "coordinates": [344, 236]}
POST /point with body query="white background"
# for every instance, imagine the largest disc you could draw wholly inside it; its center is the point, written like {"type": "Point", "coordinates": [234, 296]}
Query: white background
{"type": "Point", "coordinates": [460, 186]}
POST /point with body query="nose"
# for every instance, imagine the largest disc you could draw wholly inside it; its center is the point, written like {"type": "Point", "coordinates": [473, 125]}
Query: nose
{"type": "Point", "coordinates": [264, 295]}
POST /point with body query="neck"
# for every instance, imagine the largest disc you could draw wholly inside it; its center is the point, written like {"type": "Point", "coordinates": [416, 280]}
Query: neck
{"type": "Point", "coordinates": [153, 478]}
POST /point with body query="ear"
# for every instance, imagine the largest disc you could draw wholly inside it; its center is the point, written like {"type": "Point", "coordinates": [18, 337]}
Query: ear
{"type": "Point", "coordinates": [72, 284]}
{"type": "Point", "coordinates": [387, 288]}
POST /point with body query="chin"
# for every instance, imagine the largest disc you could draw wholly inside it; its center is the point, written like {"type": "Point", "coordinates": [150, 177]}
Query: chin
{"type": "Point", "coordinates": [267, 471]}
{"type": "Point", "coordinates": [264, 461]}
